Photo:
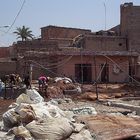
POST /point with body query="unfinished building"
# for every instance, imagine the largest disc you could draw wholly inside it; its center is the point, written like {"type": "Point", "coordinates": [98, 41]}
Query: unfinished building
{"type": "Point", "coordinates": [85, 56]}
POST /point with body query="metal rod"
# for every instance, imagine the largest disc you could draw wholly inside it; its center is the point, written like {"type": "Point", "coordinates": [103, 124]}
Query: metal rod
{"type": "Point", "coordinates": [105, 14]}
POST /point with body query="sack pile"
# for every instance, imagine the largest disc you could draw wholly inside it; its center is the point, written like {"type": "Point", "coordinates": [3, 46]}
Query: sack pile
{"type": "Point", "coordinates": [32, 118]}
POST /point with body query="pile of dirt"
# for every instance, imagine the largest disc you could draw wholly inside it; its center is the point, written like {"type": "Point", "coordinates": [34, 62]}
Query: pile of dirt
{"type": "Point", "coordinates": [54, 92]}
{"type": "Point", "coordinates": [64, 86]}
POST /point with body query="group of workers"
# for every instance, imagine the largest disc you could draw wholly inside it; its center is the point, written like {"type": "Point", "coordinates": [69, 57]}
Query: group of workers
{"type": "Point", "coordinates": [11, 79]}
{"type": "Point", "coordinates": [42, 82]}
{"type": "Point", "coordinates": [15, 79]}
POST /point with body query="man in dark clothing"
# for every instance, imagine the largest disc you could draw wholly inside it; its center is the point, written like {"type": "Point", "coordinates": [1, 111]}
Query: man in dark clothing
{"type": "Point", "coordinates": [27, 81]}
{"type": "Point", "coordinates": [12, 79]}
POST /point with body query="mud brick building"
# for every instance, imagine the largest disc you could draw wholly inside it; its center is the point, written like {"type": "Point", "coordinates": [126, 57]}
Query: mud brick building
{"type": "Point", "coordinates": [6, 63]}
{"type": "Point", "coordinates": [86, 56]}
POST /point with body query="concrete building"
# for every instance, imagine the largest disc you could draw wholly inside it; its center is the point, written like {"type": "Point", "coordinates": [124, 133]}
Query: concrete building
{"type": "Point", "coordinates": [104, 56]}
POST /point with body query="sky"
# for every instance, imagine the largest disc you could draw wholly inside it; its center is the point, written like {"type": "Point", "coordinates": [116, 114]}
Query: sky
{"type": "Point", "coordinates": [87, 14]}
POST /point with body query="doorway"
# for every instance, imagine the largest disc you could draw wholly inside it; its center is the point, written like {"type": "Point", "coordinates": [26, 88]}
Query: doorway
{"type": "Point", "coordinates": [83, 73]}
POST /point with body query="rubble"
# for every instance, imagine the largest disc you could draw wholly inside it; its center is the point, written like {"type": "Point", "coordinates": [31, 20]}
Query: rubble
{"type": "Point", "coordinates": [58, 87]}
{"type": "Point", "coordinates": [84, 111]}
{"type": "Point", "coordinates": [20, 132]}
{"type": "Point", "coordinates": [31, 117]}
{"type": "Point", "coordinates": [60, 101]}
{"type": "Point", "coordinates": [77, 115]}
{"type": "Point", "coordinates": [127, 106]}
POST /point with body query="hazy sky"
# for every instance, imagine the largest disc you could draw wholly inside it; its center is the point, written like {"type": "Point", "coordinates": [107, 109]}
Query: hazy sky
{"type": "Point", "coordinates": [89, 14]}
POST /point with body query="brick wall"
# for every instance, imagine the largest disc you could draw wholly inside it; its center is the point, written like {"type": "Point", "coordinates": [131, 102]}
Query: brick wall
{"type": "Point", "coordinates": [4, 52]}
{"type": "Point", "coordinates": [61, 32]}
{"type": "Point", "coordinates": [105, 43]}
{"type": "Point", "coordinates": [7, 68]}
{"type": "Point", "coordinates": [130, 25]}
{"type": "Point", "coordinates": [34, 45]}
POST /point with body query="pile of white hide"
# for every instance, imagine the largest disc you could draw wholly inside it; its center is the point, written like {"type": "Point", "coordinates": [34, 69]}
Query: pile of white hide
{"type": "Point", "coordinates": [31, 118]}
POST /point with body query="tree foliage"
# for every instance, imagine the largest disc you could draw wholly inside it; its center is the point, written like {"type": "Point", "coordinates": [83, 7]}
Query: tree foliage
{"type": "Point", "coordinates": [24, 33]}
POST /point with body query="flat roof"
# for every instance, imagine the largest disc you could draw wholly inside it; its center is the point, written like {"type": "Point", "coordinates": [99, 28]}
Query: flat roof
{"type": "Point", "coordinates": [52, 26]}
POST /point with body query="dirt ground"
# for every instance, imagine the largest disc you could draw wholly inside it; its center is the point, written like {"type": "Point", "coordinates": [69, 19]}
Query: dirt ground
{"type": "Point", "coordinates": [4, 104]}
{"type": "Point", "coordinates": [110, 122]}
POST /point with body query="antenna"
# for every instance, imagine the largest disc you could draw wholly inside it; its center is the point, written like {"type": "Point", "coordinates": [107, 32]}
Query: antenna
{"type": "Point", "coordinates": [105, 14]}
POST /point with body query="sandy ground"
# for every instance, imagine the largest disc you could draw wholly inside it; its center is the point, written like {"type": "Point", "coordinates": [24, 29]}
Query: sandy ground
{"type": "Point", "coordinates": [4, 104]}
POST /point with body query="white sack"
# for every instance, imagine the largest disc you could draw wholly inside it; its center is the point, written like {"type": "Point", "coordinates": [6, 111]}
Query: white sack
{"type": "Point", "coordinates": [31, 97]}
{"type": "Point", "coordinates": [24, 98]}
{"type": "Point", "coordinates": [44, 110]}
{"type": "Point", "coordinates": [10, 119]}
{"type": "Point", "coordinates": [65, 79]}
{"type": "Point", "coordinates": [35, 96]}
{"type": "Point", "coordinates": [26, 113]}
{"type": "Point", "coordinates": [83, 135]}
{"type": "Point", "coordinates": [21, 131]}
{"type": "Point", "coordinates": [51, 129]}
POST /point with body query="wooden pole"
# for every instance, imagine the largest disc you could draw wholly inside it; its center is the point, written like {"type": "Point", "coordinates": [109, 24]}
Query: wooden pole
{"type": "Point", "coordinates": [5, 89]}
{"type": "Point", "coordinates": [31, 73]}
{"type": "Point", "coordinates": [81, 68]}
{"type": "Point", "coordinates": [96, 84]}
{"type": "Point", "coordinates": [106, 67]}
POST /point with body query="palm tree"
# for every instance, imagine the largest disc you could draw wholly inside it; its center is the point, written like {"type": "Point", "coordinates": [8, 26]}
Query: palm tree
{"type": "Point", "coordinates": [24, 33]}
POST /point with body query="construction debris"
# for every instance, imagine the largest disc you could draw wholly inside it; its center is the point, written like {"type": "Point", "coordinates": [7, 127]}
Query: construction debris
{"type": "Point", "coordinates": [37, 119]}
{"type": "Point", "coordinates": [67, 113]}
{"type": "Point", "coordinates": [84, 111]}
{"type": "Point", "coordinates": [58, 87]}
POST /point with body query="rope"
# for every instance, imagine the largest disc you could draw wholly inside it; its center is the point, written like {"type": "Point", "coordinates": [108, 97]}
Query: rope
{"type": "Point", "coordinates": [16, 16]}
{"type": "Point", "coordinates": [59, 65]}
{"type": "Point", "coordinates": [101, 71]}
{"type": "Point", "coordinates": [121, 69]}
{"type": "Point", "coordinates": [44, 67]}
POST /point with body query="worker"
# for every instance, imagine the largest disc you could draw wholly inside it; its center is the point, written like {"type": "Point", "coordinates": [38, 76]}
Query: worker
{"type": "Point", "coordinates": [1, 86]}
{"type": "Point", "coordinates": [12, 79]}
{"type": "Point", "coordinates": [18, 80]}
{"type": "Point", "coordinates": [42, 81]}
{"type": "Point", "coordinates": [27, 81]}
